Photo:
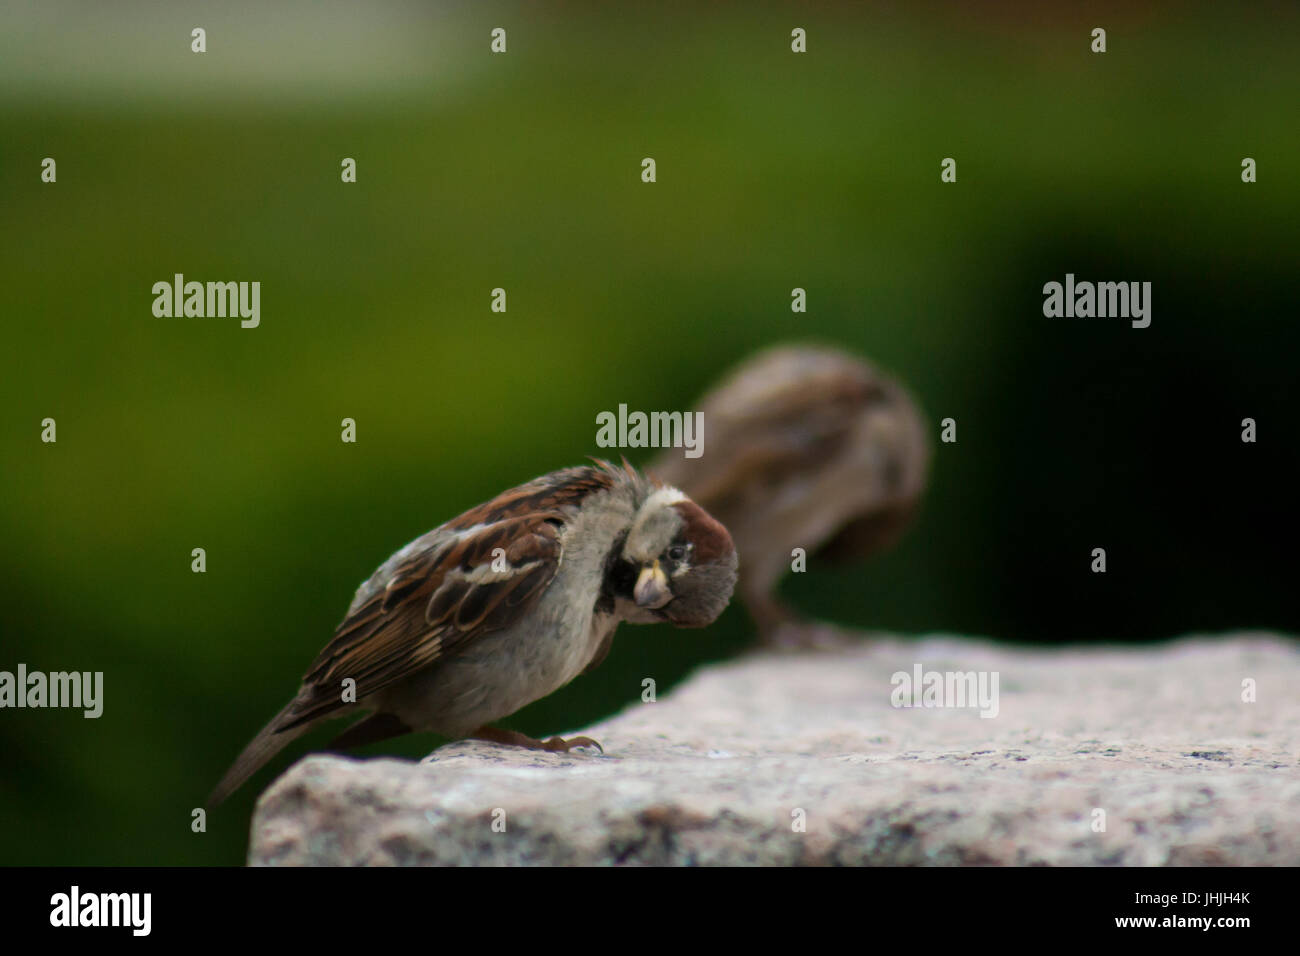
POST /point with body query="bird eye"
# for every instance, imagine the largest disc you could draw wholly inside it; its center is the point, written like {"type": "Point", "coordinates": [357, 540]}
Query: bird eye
{"type": "Point", "coordinates": [676, 552]}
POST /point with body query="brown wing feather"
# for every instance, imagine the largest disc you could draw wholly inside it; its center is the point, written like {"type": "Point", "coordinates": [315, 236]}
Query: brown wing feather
{"type": "Point", "coordinates": [548, 493]}
{"type": "Point", "coordinates": [443, 594]}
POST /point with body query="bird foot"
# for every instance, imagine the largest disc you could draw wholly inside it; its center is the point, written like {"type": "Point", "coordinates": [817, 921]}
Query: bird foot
{"type": "Point", "coordinates": [560, 745]}
{"type": "Point", "coordinates": [511, 738]}
{"type": "Point", "coordinates": [801, 635]}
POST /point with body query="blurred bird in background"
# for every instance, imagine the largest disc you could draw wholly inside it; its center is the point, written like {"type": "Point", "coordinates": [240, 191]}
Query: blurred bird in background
{"type": "Point", "coordinates": [805, 446]}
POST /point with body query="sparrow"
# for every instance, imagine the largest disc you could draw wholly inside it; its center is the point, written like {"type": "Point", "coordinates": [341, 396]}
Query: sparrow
{"type": "Point", "coordinates": [504, 605]}
{"type": "Point", "coordinates": [807, 447]}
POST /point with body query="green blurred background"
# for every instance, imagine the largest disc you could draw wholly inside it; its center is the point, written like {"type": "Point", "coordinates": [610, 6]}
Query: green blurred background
{"type": "Point", "coordinates": [522, 171]}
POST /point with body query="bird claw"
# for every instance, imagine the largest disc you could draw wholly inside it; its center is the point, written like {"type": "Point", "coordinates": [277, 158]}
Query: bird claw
{"type": "Point", "coordinates": [810, 636]}
{"type": "Point", "coordinates": [560, 745]}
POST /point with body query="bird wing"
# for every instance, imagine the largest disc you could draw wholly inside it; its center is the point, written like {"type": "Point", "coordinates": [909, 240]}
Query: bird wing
{"type": "Point", "coordinates": [480, 572]}
{"type": "Point", "coordinates": [771, 416]}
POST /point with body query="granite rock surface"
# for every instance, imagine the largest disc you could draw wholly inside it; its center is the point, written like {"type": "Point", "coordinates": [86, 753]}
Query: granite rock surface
{"type": "Point", "coordinates": [780, 759]}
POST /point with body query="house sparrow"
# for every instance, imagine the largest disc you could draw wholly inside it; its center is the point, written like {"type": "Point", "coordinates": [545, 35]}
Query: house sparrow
{"type": "Point", "coordinates": [807, 447]}
{"type": "Point", "coordinates": [504, 605]}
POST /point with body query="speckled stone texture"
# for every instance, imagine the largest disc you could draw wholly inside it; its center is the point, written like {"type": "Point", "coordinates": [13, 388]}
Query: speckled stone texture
{"type": "Point", "coordinates": [722, 770]}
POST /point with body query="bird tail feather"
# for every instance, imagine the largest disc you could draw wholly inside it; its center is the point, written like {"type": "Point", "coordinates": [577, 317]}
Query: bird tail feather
{"type": "Point", "coordinates": [272, 738]}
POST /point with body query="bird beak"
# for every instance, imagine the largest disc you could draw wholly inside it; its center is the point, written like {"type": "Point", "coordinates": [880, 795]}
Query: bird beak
{"type": "Point", "coordinates": [652, 587]}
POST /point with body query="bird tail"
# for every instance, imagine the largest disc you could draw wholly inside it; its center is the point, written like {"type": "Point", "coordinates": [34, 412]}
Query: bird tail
{"type": "Point", "coordinates": [272, 738]}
